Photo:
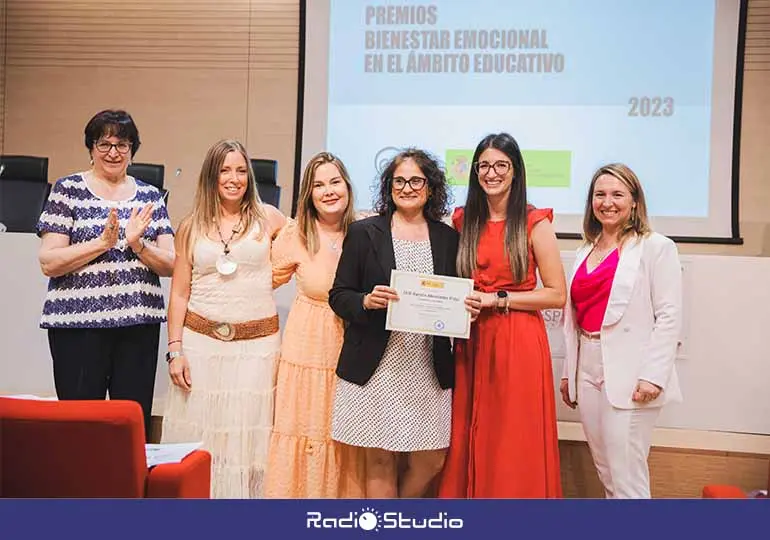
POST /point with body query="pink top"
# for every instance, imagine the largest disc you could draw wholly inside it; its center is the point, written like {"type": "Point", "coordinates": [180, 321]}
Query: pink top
{"type": "Point", "coordinates": [591, 292]}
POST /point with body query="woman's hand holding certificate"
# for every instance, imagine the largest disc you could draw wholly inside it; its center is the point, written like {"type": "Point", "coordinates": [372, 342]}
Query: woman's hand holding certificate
{"type": "Point", "coordinates": [473, 304]}
{"type": "Point", "coordinates": [379, 297]}
{"type": "Point", "coordinates": [432, 304]}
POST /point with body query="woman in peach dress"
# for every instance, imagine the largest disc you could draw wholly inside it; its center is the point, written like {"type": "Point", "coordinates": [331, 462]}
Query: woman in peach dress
{"type": "Point", "coordinates": [303, 461]}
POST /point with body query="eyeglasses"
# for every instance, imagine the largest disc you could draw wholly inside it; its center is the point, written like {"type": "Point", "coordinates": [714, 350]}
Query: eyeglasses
{"type": "Point", "coordinates": [105, 147]}
{"type": "Point", "coordinates": [501, 167]}
{"type": "Point", "coordinates": [415, 182]}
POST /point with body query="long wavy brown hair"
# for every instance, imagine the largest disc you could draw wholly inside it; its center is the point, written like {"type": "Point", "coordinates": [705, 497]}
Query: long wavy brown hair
{"type": "Point", "coordinates": [207, 204]}
{"type": "Point", "coordinates": [307, 214]}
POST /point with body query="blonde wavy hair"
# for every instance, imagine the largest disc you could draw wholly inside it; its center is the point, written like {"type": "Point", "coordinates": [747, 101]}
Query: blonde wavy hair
{"type": "Point", "coordinates": [307, 214]}
{"type": "Point", "coordinates": [207, 203]}
{"type": "Point", "coordinates": [638, 223]}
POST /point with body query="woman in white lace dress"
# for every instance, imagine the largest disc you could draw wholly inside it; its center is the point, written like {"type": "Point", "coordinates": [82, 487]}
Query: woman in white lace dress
{"type": "Point", "coordinates": [223, 325]}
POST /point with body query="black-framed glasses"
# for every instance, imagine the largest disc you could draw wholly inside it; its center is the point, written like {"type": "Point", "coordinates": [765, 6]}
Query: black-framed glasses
{"type": "Point", "coordinates": [415, 182]}
{"type": "Point", "coordinates": [500, 167]}
{"type": "Point", "coordinates": [105, 147]}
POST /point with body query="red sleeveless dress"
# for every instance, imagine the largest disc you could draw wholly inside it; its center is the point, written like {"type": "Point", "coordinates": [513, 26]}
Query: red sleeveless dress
{"type": "Point", "coordinates": [504, 442]}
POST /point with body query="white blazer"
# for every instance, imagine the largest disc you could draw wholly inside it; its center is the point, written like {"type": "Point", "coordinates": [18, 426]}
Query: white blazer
{"type": "Point", "coordinates": [640, 330]}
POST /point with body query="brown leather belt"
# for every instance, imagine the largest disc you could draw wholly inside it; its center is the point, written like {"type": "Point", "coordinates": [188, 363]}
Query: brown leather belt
{"type": "Point", "coordinates": [231, 331]}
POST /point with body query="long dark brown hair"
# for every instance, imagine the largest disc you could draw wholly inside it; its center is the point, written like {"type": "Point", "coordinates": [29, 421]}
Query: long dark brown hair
{"type": "Point", "coordinates": [477, 211]}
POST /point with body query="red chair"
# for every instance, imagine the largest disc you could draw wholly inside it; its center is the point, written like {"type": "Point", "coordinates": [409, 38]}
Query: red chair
{"type": "Point", "coordinates": [88, 449]}
{"type": "Point", "coordinates": [722, 491]}
{"type": "Point", "coordinates": [719, 491]}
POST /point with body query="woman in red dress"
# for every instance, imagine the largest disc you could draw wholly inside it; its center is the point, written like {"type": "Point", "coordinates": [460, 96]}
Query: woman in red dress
{"type": "Point", "coordinates": [504, 442]}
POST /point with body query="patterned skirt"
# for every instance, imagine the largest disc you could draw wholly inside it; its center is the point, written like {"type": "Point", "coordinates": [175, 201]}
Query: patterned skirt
{"type": "Point", "coordinates": [402, 408]}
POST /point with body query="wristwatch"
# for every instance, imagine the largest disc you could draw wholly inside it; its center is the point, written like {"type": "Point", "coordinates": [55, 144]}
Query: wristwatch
{"type": "Point", "coordinates": [502, 301]}
{"type": "Point", "coordinates": [141, 248]}
{"type": "Point", "coordinates": [170, 355]}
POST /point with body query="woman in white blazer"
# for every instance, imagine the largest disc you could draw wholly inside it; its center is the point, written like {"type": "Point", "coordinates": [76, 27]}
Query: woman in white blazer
{"type": "Point", "coordinates": [621, 323]}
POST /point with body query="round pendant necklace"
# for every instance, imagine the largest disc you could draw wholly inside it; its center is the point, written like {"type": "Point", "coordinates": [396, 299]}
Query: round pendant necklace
{"type": "Point", "coordinates": [225, 264]}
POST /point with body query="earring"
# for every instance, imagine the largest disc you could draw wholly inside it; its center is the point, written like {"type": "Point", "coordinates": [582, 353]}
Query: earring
{"type": "Point", "coordinates": [92, 162]}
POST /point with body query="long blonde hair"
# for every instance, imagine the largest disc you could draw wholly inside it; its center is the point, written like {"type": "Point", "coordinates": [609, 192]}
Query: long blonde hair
{"type": "Point", "coordinates": [638, 223]}
{"type": "Point", "coordinates": [307, 214]}
{"type": "Point", "coordinates": [207, 203]}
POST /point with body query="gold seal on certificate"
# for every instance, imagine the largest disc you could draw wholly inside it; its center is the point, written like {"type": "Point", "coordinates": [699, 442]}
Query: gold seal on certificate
{"type": "Point", "coordinates": [429, 304]}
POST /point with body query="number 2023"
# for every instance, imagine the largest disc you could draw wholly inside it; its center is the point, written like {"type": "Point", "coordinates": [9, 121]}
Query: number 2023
{"type": "Point", "coordinates": [647, 106]}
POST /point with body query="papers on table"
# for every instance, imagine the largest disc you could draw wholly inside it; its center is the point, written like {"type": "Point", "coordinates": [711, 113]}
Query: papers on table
{"type": "Point", "coordinates": [158, 454]}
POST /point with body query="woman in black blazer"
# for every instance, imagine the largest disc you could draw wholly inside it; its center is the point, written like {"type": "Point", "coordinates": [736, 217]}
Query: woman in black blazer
{"type": "Point", "coordinates": [394, 388]}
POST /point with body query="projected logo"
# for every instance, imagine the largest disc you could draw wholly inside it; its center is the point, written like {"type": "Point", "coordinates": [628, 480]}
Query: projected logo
{"type": "Point", "coordinates": [545, 168]}
{"type": "Point", "coordinates": [458, 166]}
{"type": "Point", "coordinates": [370, 519]}
{"type": "Point", "coordinates": [383, 157]}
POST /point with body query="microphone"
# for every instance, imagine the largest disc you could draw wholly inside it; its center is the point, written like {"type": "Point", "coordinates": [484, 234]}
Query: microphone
{"type": "Point", "coordinates": [2, 168]}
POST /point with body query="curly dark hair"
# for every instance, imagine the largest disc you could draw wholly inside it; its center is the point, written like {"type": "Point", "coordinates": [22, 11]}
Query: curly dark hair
{"type": "Point", "coordinates": [439, 196]}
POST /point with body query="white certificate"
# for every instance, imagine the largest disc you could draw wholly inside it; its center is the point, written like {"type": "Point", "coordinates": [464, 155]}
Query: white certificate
{"type": "Point", "coordinates": [429, 304]}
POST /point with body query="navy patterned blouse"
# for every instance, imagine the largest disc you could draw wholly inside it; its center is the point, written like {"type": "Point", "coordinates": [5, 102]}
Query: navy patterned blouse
{"type": "Point", "coordinates": [116, 288]}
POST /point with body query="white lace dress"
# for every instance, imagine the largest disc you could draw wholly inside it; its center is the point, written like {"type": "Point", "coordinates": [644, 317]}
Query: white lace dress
{"type": "Point", "coordinates": [230, 407]}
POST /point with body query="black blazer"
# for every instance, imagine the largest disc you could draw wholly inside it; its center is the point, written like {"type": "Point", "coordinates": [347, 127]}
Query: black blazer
{"type": "Point", "coordinates": [367, 260]}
